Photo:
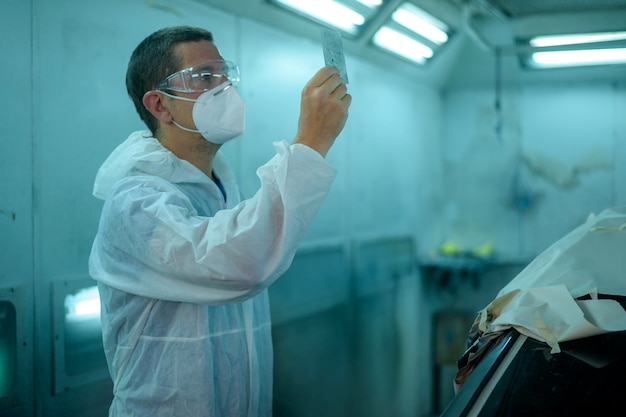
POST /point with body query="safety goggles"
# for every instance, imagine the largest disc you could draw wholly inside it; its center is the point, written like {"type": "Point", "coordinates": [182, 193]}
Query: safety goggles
{"type": "Point", "coordinates": [202, 77]}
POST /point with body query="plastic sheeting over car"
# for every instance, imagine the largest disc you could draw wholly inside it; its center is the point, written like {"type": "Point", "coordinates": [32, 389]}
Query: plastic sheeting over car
{"type": "Point", "coordinates": [561, 294]}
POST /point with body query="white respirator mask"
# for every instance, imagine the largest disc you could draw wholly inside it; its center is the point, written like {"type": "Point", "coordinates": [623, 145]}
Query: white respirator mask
{"type": "Point", "coordinates": [219, 114]}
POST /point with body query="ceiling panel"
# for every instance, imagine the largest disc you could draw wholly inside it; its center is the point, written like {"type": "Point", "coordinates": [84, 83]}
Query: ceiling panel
{"type": "Point", "coordinates": [489, 25]}
{"type": "Point", "coordinates": [523, 8]}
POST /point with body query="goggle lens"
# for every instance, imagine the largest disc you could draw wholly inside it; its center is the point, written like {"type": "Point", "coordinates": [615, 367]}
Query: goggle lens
{"type": "Point", "coordinates": [202, 77]}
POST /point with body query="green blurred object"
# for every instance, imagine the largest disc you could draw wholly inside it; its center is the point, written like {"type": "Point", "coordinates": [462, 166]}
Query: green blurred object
{"type": "Point", "coordinates": [449, 248]}
{"type": "Point", "coordinates": [483, 250]}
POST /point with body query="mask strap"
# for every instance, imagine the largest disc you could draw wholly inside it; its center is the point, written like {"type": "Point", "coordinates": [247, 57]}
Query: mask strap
{"type": "Point", "coordinates": [185, 99]}
{"type": "Point", "coordinates": [193, 100]}
{"type": "Point", "coordinates": [185, 128]}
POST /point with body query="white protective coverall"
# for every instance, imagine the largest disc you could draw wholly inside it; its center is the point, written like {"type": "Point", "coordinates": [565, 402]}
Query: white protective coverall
{"type": "Point", "coordinates": [183, 275]}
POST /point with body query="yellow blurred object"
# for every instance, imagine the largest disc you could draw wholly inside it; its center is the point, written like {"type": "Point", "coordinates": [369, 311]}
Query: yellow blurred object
{"type": "Point", "coordinates": [483, 250]}
{"type": "Point", "coordinates": [449, 248]}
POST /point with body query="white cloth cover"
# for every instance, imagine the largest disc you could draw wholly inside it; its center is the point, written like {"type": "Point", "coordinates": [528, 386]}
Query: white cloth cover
{"type": "Point", "coordinates": [182, 274]}
{"type": "Point", "coordinates": [542, 300]}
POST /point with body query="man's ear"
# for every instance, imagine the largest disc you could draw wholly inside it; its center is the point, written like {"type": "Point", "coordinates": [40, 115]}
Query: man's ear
{"type": "Point", "coordinates": [153, 101]}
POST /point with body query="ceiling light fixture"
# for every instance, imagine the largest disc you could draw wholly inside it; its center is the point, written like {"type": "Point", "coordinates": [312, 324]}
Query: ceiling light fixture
{"type": "Point", "coordinates": [409, 32]}
{"type": "Point", "coordinates": [402, 45]}
{"type": "Point", "coordinates": [578, 50]}
{"type": "Point", "coordinates": [550, 59]}
{"type": "Point", "coordinates": [421, 23]}
{"type": "Point", "coordinates": [576, 39]}
{"type": "Point", "coordinates": [330, 12]}
{"type": "Point", "coordinates": [412, 33]}
{"type": "Point", "coordinates": [371, 3]}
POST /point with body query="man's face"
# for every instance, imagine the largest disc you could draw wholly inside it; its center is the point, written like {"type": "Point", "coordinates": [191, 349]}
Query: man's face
{"type": "Point", "coordinates": [191, 54]}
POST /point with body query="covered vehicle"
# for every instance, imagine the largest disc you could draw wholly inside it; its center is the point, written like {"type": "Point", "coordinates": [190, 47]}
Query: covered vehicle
{"type": "Point", "coordinates": [553, 340]}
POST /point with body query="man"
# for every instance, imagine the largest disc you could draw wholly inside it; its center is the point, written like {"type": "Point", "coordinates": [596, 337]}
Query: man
{"type": "Point", "coordinates": [182, 264]}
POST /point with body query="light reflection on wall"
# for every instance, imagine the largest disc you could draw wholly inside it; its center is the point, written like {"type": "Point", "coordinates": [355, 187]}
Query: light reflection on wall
{"type": "Point", "coordinates": [83, 334]}
{"type": "Point", "coordinates": [84, 305]}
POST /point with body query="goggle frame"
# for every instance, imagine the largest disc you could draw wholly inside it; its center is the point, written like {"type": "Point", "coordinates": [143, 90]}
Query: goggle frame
{"type": "Point", "coordinates": [201, 77]}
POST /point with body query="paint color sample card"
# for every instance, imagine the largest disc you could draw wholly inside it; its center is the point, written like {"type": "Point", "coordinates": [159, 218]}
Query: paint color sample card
{"type": "Point", "coordinates": [333, 51]}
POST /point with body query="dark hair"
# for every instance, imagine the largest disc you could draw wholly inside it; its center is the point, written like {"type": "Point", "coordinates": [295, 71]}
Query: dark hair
{"type": "Point", "coordinates": [153, 60]}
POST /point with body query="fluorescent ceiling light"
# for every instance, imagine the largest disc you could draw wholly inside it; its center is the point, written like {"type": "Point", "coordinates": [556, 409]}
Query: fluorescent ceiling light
{"type": "Point", "coordinates": [329, 11]}
{"type": "Point", "coordinates": [411, 33]}
{"type": "Point", "coordinates": [371, 3]}
{"type": "Point", "coordinates": [579, 58]}
{"type": "Point", "coordinates": [421, 23]}
{"type": "Point", "coordinates": [575, 39]}
{"type": "Point", "coordinates": [403, 45]}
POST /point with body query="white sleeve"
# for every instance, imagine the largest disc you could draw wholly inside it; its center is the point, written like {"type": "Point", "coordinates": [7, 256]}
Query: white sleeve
{"type": "Point", "coordinates": [152, 242]}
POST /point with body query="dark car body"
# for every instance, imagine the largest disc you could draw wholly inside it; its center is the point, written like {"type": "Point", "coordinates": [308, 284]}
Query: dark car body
{"type": "Point", "coordinates": [519, 376]}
